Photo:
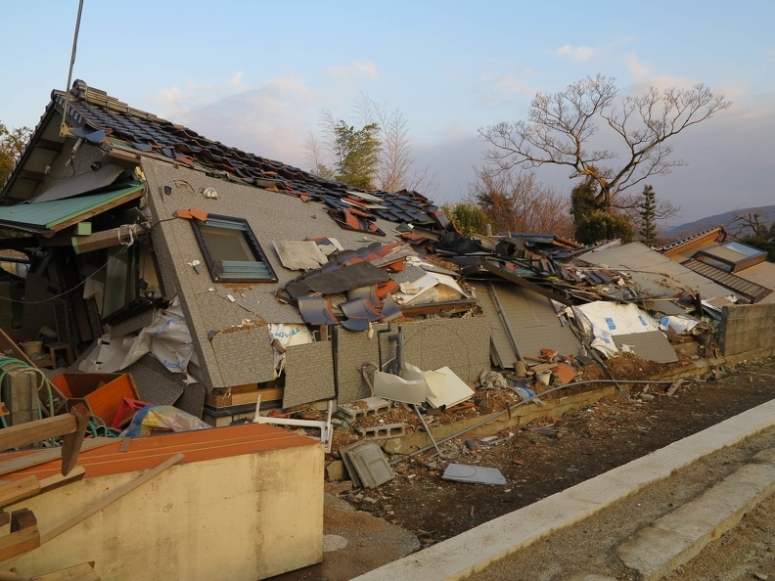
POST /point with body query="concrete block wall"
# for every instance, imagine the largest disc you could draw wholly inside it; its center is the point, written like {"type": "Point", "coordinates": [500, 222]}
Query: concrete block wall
{"type": "Point", "coordinates": [746, 328]}
{"type": "Point", "coordinates": [463, 345]}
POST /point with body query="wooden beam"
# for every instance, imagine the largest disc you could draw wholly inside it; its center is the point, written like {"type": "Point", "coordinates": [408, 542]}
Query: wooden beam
{"type": "Point", "coordinates": [50, 455]}
{"type": "Point", "coordinates": [36, 431]}
{"type": "Point", "coordinates": [105, 239]}
{"type": "Point", "coordinates": [109, 498]}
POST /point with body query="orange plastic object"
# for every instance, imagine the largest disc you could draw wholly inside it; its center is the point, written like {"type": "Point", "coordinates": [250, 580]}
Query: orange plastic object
{"type": "Point", "coordinates": [103, 392]}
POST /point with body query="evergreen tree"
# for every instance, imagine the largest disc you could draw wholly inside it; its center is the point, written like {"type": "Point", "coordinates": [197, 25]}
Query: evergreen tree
{"type": "Point", "coordinates": [648, 214]}
{"type": "Point", "coordinates": [593, 223]}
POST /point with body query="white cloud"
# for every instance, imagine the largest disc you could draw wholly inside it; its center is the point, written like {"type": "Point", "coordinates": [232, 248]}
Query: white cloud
{"type": "Point", "coordinates": [271, 120]}
{"type": "Point", "coordinates": [503, 88]}
{"type": "Point", "coordinates": [576, 53]}
{"type": "Point", "coordinates": [637, 68]}
{"type": "Point", "coordinates": [236, 81]}
{"type": "Point", "coordinates": [349, 73]}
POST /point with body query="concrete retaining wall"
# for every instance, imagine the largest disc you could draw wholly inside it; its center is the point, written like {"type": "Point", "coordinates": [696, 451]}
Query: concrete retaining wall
{"type": "Point", "coordinates": [746, 328]}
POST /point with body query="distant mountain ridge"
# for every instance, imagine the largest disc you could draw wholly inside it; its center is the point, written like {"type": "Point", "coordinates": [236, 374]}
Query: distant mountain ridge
{"type": "Point", "coordinates": [766, 215]}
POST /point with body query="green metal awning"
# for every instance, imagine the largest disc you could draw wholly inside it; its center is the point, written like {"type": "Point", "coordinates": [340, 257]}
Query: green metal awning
{"type": "Point", "coordinates": [57, 215]}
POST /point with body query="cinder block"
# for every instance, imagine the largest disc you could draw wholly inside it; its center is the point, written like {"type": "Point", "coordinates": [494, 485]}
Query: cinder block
{"type": "Point", "coordinates": [382, 432]}
{"type": "Point", "coordinates": [363, 408]}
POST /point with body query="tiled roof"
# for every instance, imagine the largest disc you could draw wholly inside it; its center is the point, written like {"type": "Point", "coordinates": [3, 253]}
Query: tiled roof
{"type": "Point", "coordinates": [102, 117]}
{"type": "Point", "coordinates": [710, 235]}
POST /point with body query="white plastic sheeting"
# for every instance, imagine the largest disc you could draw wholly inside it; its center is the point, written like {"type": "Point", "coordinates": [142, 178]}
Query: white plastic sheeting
{"type": "Point", "coordinates": [167, 338]}
{"type": "Point", "coordinates": [604, 320]}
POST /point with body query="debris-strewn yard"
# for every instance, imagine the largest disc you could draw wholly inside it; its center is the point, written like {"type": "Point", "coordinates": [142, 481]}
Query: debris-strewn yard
{"type": "Point", "coordinates": [553, 454]}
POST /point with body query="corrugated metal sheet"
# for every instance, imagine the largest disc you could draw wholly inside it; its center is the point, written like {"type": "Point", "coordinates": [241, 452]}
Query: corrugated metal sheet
{"type": "Point", "coordinates": [742, 287]}
{"type": "Point", "coordinates": [532, 321]}
{"type": "Point", "coordinates": [54, 215]}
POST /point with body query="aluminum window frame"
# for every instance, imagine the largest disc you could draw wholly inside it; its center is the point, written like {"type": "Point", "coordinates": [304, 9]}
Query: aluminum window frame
{"type": "Point", "coordinates": [258, 270]}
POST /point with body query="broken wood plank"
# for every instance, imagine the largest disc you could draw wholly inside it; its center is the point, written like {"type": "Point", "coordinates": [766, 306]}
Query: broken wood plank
{"type": "Point", "coordinates": [38, 458]}
{"type": "Point", "coordinates": [36, 431]}
{"type": "Point", "coordinates": [543, 367]}
{"type": "Point", "coordinates": [19, 490]}
{"type": "Point", "coordinates": [674, 387]}
{"type": "Point", "coordinates": [24, 535]}
{"type": "Point", "coordinates": [110, 498]}
{"type": "Point", "coordinates": [15, 544]}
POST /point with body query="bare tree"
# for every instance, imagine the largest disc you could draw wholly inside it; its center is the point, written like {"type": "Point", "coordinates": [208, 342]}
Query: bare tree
{"type": "Point", "coordinates": [560, 129]}
{"type": "Point", "coordinates": [518, 202]}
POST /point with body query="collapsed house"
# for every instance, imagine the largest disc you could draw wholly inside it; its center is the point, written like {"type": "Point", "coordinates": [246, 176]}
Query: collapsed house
{"type": "Point", "coordinates": [216, 277]}
{"type": "Point", "coordinates": [210, 274]}
{"type": "Point", "coordinates": [157, 266]}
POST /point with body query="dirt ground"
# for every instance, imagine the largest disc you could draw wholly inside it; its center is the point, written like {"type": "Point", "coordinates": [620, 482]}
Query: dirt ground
{"type": "Point", "coordinates": [552, 455]}
{"type": "Point", "coordinates": [547, 456]}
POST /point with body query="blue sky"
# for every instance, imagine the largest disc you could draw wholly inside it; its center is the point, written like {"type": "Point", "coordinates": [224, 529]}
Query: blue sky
{"type": "Point", "coordinates": [256, 74]}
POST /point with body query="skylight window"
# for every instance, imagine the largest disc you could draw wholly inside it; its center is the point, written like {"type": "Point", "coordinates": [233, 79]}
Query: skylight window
{"type": "Point", "coordinates": [231, 251]}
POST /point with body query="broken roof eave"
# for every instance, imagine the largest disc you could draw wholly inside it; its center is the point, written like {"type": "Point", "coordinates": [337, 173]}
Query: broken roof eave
{"type": "Point", "coordinates": [56, 215]}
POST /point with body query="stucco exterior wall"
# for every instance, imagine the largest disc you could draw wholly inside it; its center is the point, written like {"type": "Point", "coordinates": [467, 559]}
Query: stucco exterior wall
{"type": "Point", "coordinates": [271, 216]}
{"type": "Point", "coordinates": [240, 518]}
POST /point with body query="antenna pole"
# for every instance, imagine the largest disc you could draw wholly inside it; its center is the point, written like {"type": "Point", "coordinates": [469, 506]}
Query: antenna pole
{"type": "Point", "coordinates": [62, 132]}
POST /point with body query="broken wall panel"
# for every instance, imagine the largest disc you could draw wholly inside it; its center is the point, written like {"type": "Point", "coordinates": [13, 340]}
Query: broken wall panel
{"type": "Point", "coordinates": [155, 384]}
{"type": "Point", "coordinates": [532, 320]}
{"type": "Point", "coordinates": [501, 344]}
{"type": "Point", "coordinates": [244, 355]}
{"type": "Point", "coordinates": [652, 345]}
{"type": "Point", "coordinates": [309, 373]}
{"type": "Point", "coordinates": [463, 345]}
{"type": "Point", "coordinates": [193, 400]}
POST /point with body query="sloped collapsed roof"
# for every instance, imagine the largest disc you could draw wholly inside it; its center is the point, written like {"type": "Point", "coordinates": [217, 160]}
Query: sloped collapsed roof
{"type": "Point", "coordinates": [98, 118]}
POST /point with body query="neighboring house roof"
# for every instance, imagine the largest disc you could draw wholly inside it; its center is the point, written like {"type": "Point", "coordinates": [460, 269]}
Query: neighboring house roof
{"type": "Point", "coordinates": [737, 266]}
{"type": "Point", "coordinates": [655, 274]}
{"type": "Point", "coordinates": [744, 288]}
{"type": "Point", "coordinates": [762, 274]}
{"type": "Point", "coordinates": [685, 248]}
